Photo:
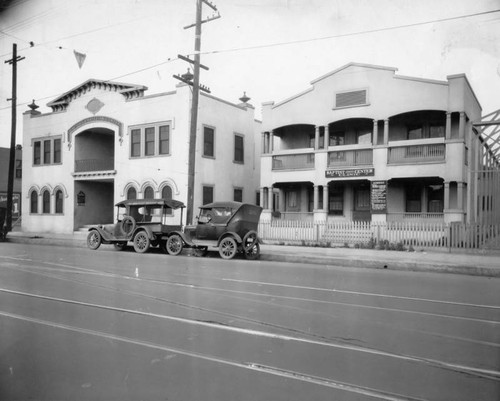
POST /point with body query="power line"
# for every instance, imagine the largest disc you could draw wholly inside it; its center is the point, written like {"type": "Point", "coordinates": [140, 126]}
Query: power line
{"type": "Point", "coordinates": [342, 35]}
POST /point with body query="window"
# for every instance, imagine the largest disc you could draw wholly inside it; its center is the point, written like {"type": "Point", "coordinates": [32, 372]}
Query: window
{"type": "Point", "coordinates": [238, 149]}
{"type": "Point", "coordinates": [413, 199]}
{"type": "Point", "coordinates": [208, 142]}
{"type": "Point", "coordinates": [435, 198]}
{"type": "Point", "coordinates": [149, 149]}
{"type": "Point", "coordinates": [415, 132]}
{"type": "Point", "coordinates": [208, 194]}
{"type": "Point", "coordinates": [47, 151]}
{"type": "Point", "coordinates": [352, 98]}
{"type": "Point", "coordinates": [46, 202]}
{"type": "Point", "coordinates": [364, 136]}
{"type": "Point", "coordinates": [149, 193]}
{"type": "Point", "coordinates": [238, 195]}
{"type": "Point", "coordinates": [336, 201]}
{"type": "Point", "coordinates": [19, 169]}
{"type": "Point", "coordinates": [336, 138]}
{"type": "Point", "coordinates": [57, 151]}
{"type": "Point", "coordinates": [436, 131]}
{"type": "Point", "coordinates": [362, 199]}
{"type": "Point", "coordinates": [425, 131]}
{"type": "Point", "coordinates": [150, 140]}
{"type": "Point", "coordinates": [36, 153]}
{"type": "Point", "coordinates": [292, 201]}
{"type": "Point", "coordinates": [34, 202]}
{"type": "Point", "coordinates": [164, 140]}
{"type": "Point", "coordinates": [131, 193]}
{"type": "Point", "coordinates": [59, 201]}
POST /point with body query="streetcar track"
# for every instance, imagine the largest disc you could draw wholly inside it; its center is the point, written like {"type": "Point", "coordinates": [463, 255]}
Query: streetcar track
{"type": "Point", "coordinates": [275, 371]}
{"type": "Point", "coordinates": [476, 372]}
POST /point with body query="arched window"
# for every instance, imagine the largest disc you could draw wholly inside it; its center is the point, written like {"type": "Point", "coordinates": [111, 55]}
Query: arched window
{"type": "Point", "coordinates": [131, 193]}
{"type": "Point", "coordinates": [59, 201]}
{"type": "Point", "coordinates": [166, 193]}
{"type": "Point", "coordinates": [46, 202]}
{"type": "Point", "coordinates": [34, 202]}
{"type": "Point", "coordinates": [149, 193]}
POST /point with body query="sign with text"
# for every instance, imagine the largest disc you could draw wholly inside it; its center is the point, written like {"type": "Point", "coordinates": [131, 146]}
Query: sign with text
{"type": "Point", "coordinates": [379, 197]}
{"type": "Point", "coordinates": [16, 203]}
{"type": "Point", "coordinates": [352, 172]}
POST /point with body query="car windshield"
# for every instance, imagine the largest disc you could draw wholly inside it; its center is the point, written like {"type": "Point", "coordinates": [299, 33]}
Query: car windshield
{"type": "Point", "coordinates": [216, 215]}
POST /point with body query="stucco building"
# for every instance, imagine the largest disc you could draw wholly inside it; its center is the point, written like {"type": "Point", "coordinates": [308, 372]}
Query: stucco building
{"type": "Point", "coordinates": [107, 141]}
{"type": "Point", "coordinates": [364, 143]}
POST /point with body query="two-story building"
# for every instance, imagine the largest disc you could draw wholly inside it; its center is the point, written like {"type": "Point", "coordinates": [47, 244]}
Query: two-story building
{"type": "Point", "coordinates": [106, 141]}
{"type": "Point", "coordinates": [364, 143]}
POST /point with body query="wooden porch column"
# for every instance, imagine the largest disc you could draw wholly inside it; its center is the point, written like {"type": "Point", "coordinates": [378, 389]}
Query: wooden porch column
{"type": "Point", "coordinates": [460, 195]}
{"type": "Point", "coordinates": [325, 198]}
{"type": "Point", "coordinates": [271, 141]}
{"type": "Point", "coordinates": [386, 131]}
{"type": "Point", "coordinates": [448, 125]}
{"type": "Point", "coordinates": [262, 197]}
{"type": "Point", "coordinates": [316, 137]}
{"type": "Point", "coordinates": [327, 136]}
{"type": "Point", "coordinates": [316, 197]}
{"type": "Point", "coordinates": [270, 195]}
{"type": "Point", "coordinates": [446, 196]}
{"type": "Point", "coordinates": [461, 125]}
{"type": "Point", "coordinates": [375, 132]}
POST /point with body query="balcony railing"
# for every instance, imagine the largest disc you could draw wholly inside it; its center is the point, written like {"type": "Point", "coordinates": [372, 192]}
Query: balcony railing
{"type": "Point", "coordinates": [417, 153]}
{"type": "Point", "coordinates": [424, 216]}
{"type": "Point", "coordinates": [293, 162]}
{"type": "Point", "coordinates": [362, 157]}
{"type": "Point", "coordinates": [85, 165]}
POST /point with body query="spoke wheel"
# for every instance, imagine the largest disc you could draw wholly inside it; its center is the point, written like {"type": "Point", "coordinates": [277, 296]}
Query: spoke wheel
{"type": "Point", "coordinates": [228, 248]}
{"type": "Point", "coordinates": [253, 253]}
{"type": "Point", "coordinates": [174, 245]}
{"type": "Point", "coordinates": [141, 242]}
{"type": "Point", "coordinates": [94, 240]}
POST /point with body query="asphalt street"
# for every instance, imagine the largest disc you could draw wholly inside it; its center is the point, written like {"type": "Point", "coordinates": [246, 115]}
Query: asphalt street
{"type": "Point", "coordinates": [93, 325]}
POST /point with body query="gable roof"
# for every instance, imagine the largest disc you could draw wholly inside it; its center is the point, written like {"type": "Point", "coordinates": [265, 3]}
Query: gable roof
{"type": "Point", "coordinates": [352, 64]}
{"type": "Point", "coordinates": [129, 91]}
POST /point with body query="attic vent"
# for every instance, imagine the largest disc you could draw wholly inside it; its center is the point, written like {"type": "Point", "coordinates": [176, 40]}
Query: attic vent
{"type": "Point", "coordinates": [354, 98]}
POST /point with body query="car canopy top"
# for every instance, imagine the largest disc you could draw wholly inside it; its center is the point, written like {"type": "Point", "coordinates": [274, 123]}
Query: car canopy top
{"type": "Point", "coordinates": [234, 210]}
{"type": "Point", "coordinates": [169, 203]}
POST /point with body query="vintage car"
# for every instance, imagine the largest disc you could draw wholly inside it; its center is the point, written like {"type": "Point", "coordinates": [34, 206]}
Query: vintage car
{"type": "Point", "coordinates": [141, 221]}
{"type": "Point", "coordinates": [229, 227]}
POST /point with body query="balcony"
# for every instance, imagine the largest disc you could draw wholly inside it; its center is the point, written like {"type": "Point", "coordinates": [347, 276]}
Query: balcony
{"type": "Point", "coordinates": [90, 165]}
{"type": "Point", "coordinates": [350, 158]}
{"type": "Point", "coordinates": [299, 161]}
{"type": "Point", "coordinates": [417, 153]}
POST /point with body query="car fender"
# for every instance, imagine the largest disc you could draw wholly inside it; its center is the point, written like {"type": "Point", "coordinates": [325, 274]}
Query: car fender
{"type": "Point", "coordinates": [104, 234]}
{"type": "Point", "coordinates": [230, 234]}
{"type": "Point", "coordinates": [146, 229]}
{"type": "Point", "coordinates": [183, 236]}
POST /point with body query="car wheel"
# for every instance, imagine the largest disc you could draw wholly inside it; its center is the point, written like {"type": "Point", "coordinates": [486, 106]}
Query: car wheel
{"type": "Point", "coordinates": [228, 248]}
{"type": "Point", "coordinates": [127, 225]}
{"type": "Point", "coordinates": [141, 242]}
{"type": "Point", "coordinates": [120, 246]}
{"type": "Point", "coordinates": [94, 240]}
{"type": "Point", "coordinates": [253, 253]}
{"type": "Point", "coordinates": [174, 245]}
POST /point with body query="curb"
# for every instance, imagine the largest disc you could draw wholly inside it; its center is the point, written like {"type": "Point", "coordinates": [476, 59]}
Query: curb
{"type": "Point", "coordinates": [327, 261]}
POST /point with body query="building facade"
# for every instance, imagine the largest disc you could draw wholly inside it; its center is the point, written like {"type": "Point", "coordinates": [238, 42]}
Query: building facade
{"type": "Point", "coordinates": [4, 179]}
{"type": "Point", "coordinates": [365, 144]}
{"type": "Point", "coordinates": [105, 142]}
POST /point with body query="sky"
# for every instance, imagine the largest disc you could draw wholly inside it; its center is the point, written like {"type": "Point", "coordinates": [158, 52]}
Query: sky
{"type": "Point", "coordinates": [270, 49]}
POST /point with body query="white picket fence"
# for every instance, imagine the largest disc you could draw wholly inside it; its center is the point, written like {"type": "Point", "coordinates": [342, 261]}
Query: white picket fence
{"type": "Point", "coordinates": [416, 234]}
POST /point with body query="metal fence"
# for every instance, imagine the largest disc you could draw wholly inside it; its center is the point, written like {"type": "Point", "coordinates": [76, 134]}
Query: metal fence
{"type": "Point", "coordinates": [415, 234]}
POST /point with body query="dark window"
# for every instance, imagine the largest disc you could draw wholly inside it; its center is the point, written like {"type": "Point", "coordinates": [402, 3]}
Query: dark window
{"type": "Point", "coordinates": [208, 195]}
{"type": "Point", "coordinates": [336, 138]}
{"type": "Point", "coordinates": [131, 193]}
{"type": "Point", "coordinates": [59, 201]}
{"type": "Point", "coordinates": [415, 132]}
{"type": "Point", "coordinates": [19, 169]}
{"type": "Point", "coordinates": [435, 199]}
{"type": "Point", "coordinates": [135, 143]}
{"type": "Point", "coordinates": [164, 140]}
{"type": "Point", "coordinates": [46, 202]}
{"type": "Point", "coordinates": [37, 152]}
{"type": "Point", "coordinates": [166, 193]}
{"type": "Point", "coordinates": [238, 149]}
{"type": "Point", "coordinates": [149, 148]}
{"type": "Point", "coordinates": [362, 199]}
{"type": "Point", "coordinates": [336, 201]}
{"type": "Point", "coordinates": [149, 193]}
{"type": "Point", "coordinates": [436, 131]}
{"type": "Point", "coordinates": [238, 195]}
{"type": "Point", "coordinates": [34, 202]}
{"type": "Point", "coordinates": [57, 151]}
{"type": "Point", "coordinates": [46, 152]}
{"type": "Point", "coordinates": [413, 199]}
{"type": "Point", "coordinates": [208, 142]}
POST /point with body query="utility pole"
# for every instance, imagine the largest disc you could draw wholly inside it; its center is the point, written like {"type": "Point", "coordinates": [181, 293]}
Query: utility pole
{"type": "Point", "coordinates": [10, 184]}
{"type": "Point", "coordinates": [194, 103]}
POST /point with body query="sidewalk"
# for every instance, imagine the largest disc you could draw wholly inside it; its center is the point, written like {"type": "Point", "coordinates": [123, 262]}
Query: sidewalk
{"type": "Point", "coordinates": [477, 264]}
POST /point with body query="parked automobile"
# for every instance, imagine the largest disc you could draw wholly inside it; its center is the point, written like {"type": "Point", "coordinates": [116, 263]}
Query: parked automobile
{"type": "Point", "coordinates": [140, 221]}
{"type": "Point", "coordinates": [227, 227]}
